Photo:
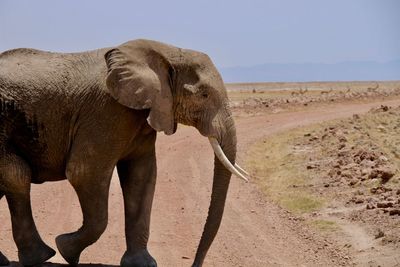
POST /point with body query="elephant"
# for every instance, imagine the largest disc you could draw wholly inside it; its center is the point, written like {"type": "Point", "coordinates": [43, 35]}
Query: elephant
{"type": "Point", "coordinates": [77, 116]}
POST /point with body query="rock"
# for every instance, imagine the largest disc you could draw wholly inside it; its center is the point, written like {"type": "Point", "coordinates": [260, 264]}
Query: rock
{"type": "Point", "coordinates": [343, 153]}
{"type": "Point", "coordinates": [359, 200]}
{"type": "Point", "coordinates": [331, 173]}
{"type": "Point", "coordinates": [375, 190]}
{"type": "Point", "coordinates": [359, 193]}
{"type": "Point", "coordinates": [379, 234]}
{"type": "Point", "coordinates": [346, 174]}
{"type": "Point", "coordinates": [390, 199]}
{"type": "Point", "coordinates": [370, 199]}
{"type": "Point", "coordinates": [373, 174]}
{"type": "Point", "coordinates": [381, 128]}
{"type": "Point", "coordinates": [383, 158]}
{"type": "Point", "coordinates": [354, 182]}
{"type": "Point", "coordinates": [370, 206]}
{"type": "Point", "coordinates": [367, 163]}
{"type": "Point", "coordinates": [312, 165]}
{"type": "Point", "coordinates": [365, 172]}
{"type": "Point", "coordinates": [386, 174]}
{"type": "Point", "coordinates": [356, 116]}
{"type": "Point", "coordinates": [394, 212]}
{"type": "Point", "coordinates": [380, 190]}
{"type": "Point", "coordinates": [384, 108]}
{"type": "Point", "coordinates": [364, 154]}
{"type": "Point", "coordinates": [350, 166]}
{"type": "Point", "coordinates": [383, 205]}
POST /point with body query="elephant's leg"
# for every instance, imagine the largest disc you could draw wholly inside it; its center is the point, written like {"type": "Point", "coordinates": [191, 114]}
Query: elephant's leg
{"type": "Point", "coordinates": [31, 248]}
{"type": "Point", "coordinates": [15, 176]}
{"type": "Point", "coordinates": [3, 259]}
{"type": "Point", "coordinates": [138, 178]}
{"type": "Point", "coordinates": [92, 189]}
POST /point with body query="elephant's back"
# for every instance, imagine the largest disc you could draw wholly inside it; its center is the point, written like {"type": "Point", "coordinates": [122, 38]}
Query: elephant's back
{"type": "Point", "coordinates": [36, 70]}
{"type": "Point", "coordinates": [28, 64]}
{"type": "Point", "coordinates": [49, 85]}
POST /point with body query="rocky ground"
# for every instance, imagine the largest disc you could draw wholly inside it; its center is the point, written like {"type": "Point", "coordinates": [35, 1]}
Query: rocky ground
{"type": "Point", "coordinates": [349, 170]}
{"type": "Point", "coordinates": [360, 166]}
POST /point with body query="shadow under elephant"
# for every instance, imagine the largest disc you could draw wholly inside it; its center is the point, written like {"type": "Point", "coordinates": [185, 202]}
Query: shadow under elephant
{"type": "Point", "coordinates": [51, 264]}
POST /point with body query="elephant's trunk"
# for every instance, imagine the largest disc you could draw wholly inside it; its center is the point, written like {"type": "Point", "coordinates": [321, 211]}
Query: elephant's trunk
{"type": "Point", "coordinates": [220, 187]}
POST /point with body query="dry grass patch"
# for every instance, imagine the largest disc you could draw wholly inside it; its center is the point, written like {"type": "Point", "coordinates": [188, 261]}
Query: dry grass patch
{"type": "Point", "coordinates": [281, 175]}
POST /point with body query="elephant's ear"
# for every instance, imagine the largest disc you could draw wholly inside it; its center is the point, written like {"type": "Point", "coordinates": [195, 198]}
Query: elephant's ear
{"type": "Point", "coordinates": [140, 80]}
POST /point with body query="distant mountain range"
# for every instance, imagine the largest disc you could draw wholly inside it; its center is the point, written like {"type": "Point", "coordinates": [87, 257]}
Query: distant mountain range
{"type": "Point", "coordinates": [344, 71]}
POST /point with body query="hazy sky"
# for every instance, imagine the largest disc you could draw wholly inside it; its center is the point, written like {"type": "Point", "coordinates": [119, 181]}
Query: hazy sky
{"type": "Point", "coordinates": [233, 33]}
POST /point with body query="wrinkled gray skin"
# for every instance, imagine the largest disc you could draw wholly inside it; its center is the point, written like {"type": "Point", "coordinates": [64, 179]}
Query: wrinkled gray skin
{"type": "Point", "coordinates": [77, 116]}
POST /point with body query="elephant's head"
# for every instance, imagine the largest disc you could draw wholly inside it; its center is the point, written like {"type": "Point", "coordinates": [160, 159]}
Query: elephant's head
{"type": "Point", "coordinates": [180, 86]}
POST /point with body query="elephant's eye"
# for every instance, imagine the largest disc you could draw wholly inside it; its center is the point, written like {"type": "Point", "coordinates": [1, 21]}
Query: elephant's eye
{"type": "Point", "coordinates": [204, 95]}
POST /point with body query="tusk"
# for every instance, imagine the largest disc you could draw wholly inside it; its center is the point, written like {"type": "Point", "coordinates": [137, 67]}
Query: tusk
{"type": "Point", "coordinates": [224, 160]}
{"type": "Point", "coordinates": [240, 169]}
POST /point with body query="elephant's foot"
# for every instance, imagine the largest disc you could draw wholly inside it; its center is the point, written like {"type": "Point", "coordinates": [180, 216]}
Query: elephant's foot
{"type": "Point", "coordinates": [3, 260]}
{"type": "Point", "coordinates": [35, 255]}
{"type": "Point", "coordinates": [68, 249]}
{"type": "Point", "coordinates": [140, 258]}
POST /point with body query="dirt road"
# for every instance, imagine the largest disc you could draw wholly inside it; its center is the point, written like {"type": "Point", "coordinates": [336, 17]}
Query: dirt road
{"type": "Point", "coordinates": [254, 232]}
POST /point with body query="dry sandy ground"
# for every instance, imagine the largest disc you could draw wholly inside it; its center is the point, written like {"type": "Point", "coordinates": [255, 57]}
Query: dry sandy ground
{"type": "Point", "coordinates": [254, 231]}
